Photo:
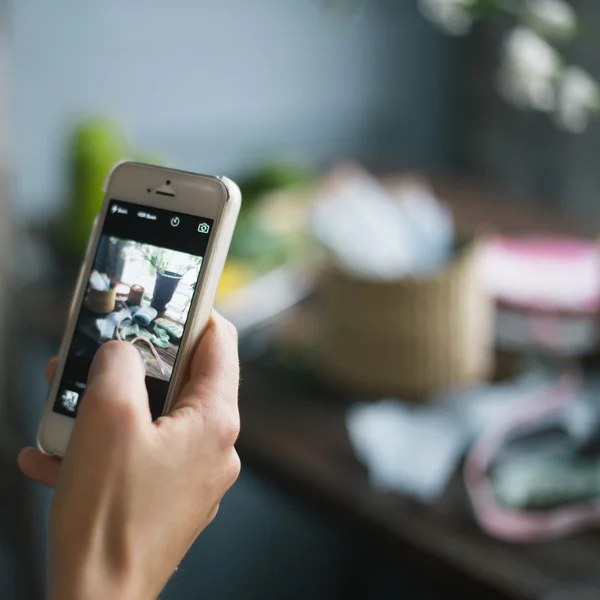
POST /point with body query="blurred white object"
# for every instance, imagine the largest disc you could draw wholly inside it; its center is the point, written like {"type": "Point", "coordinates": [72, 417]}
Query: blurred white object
{"type": "Point", "coordinates": [528, 70]}
{"type": "Point", "coordinates": [429, 226]}
{"type": "Point", "coordinates": [376, 235]}
{"type": "Point", "coordinates": [451, 15]}
{"type": "Point", "coordinates": [406, 449]}
{"type": "Point", "coordinates": [577, 100]}
{"type": "Point", "coordinates": [99, 282]}
{"type": "Point", "coordinates": [553, 18]}
{"type": "Point", "coordinates": [357, 221]}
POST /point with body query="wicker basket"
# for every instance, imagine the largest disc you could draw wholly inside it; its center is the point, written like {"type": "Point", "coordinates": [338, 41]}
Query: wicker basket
{"type": "Point", "coordinates": [410, 337]}
{"type": "Point", "coordinates": [102, 302]}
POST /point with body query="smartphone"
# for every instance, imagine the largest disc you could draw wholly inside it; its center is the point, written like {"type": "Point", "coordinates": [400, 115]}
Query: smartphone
{"type": "Point", "coordinates": [149, 277]}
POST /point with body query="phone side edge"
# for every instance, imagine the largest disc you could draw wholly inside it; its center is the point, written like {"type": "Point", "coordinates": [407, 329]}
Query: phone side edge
{"type": "Point", "coordinates": [204, 306]}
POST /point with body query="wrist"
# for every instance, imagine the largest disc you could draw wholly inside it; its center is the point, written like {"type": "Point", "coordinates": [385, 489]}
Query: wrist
{"type": "Point", "coordinates": [91, 592]}
{"type": "Point", "coordinates": [94, 582]}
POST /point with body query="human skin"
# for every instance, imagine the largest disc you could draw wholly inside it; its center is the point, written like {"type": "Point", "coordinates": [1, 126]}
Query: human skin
{"type": "Point", "coordinates": [132, 495]}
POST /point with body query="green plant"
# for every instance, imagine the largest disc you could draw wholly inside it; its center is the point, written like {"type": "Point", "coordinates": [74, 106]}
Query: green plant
{"type": "Point", "coordinates": [94, 146]}
{"type": "Point", "coordinates": [157, 258]}
{"type": "Point", "coordinates": [162, 260]}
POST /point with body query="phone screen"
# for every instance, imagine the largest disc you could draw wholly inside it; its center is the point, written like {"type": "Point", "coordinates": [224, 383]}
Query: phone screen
{"type": "Point", "coordinates": [140, 290]}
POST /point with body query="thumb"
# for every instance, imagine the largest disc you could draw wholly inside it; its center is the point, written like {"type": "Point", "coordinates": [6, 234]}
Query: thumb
{"type": "Point", "coordinates": [116, 388]}
{"type": "Point", "coordinates": [214, 372]}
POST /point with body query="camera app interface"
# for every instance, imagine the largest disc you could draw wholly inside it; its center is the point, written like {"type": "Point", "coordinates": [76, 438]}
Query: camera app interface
{"type": "Point", "coordinates": [140, 291]}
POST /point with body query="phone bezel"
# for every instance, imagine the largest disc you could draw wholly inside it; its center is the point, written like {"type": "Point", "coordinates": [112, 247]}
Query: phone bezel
{"type": "Point", "coordinates": [195, 194]}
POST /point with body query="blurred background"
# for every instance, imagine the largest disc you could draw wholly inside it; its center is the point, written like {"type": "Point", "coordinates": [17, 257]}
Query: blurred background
{"type": "Point", "coordinates": [415, 276]}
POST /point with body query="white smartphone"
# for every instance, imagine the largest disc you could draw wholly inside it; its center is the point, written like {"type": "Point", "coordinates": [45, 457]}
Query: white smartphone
{"type": "Point", "coordinates": [150, 275]}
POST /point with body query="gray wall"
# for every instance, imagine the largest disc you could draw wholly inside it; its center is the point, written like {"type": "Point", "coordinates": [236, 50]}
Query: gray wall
{"type": "Point", "coordinates": [219, 86]}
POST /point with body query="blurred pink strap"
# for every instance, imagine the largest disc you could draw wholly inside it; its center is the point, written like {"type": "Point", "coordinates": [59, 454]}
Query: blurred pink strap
{"type": "Point", "coordinates": [524, 526]}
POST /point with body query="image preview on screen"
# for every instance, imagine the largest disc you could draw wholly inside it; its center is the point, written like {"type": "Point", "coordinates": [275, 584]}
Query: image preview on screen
{"type": "Point", "coordinates": [140, 290]}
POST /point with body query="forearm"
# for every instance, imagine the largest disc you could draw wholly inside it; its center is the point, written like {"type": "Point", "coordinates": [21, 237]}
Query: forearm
{"type": "Point", "coordinates": [90, 580]}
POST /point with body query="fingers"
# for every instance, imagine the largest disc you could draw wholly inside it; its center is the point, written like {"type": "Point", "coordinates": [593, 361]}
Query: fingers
{"type": "Point", "coordinates": [217, 350]}
{"type": "Point", "coordinates": [51, 369]}
{"type": "Point", "coordinates": [215, 370]}
{"type": "Point", "coordinates": [39, 467]}
{"type": "Point", "coordinates": [116, 385]}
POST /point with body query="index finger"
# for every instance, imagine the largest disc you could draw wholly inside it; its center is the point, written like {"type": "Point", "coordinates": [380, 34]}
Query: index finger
{"type": "Point", "coordinates": [115, 388]}
{"type": "Point", "coordinates": [215, 369]}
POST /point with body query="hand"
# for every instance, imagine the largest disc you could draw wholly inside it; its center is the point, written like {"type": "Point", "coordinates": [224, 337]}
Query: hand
{"type": "Point", "coordinates": [131, 494]}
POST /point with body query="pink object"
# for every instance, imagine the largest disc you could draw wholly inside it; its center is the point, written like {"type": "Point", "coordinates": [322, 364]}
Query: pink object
{"type": "Point", "coordinates": [543, 274]}
{"type": "Point", "coordinates": [526, 526]}
{"type": "Point", "coordinates": [523, 526]}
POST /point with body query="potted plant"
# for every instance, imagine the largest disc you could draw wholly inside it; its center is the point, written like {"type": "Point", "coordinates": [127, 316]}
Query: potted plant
{"type": "Point", "coordinates": [535, 72]}
{"type": "Point", "coordinates": [168, 275]}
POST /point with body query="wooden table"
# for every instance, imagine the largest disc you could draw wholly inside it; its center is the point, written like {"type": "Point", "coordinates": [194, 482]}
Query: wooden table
{"type": "Point", "coordinates": [294, 434]}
